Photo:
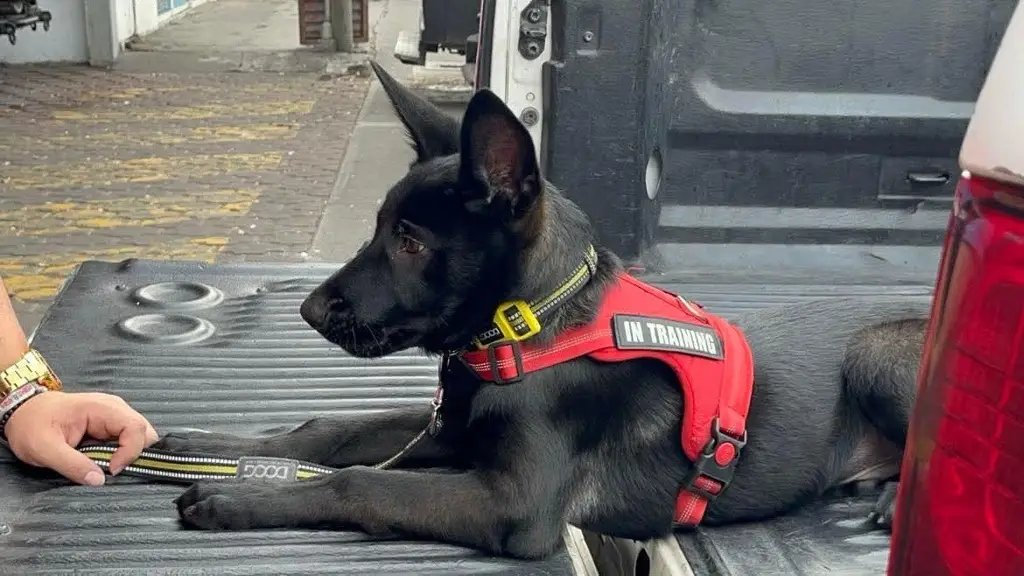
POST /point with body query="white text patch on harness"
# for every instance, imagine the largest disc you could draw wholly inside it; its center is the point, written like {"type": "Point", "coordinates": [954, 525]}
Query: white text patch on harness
{"type": "Point", "coordinates": [649, 333]}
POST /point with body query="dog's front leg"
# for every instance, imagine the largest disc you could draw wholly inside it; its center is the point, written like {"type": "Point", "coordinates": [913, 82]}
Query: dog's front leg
{"type": "Point", "coordinates": [492, 512]}
{"type": "Point", "coordinates": [336, 441]}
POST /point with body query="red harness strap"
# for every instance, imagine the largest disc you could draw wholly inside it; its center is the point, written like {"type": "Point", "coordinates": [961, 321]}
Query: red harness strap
{"type": "Point", "coordinates": [710, 356]}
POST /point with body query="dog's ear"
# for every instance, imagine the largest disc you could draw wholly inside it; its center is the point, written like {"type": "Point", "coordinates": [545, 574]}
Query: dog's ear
{"type": "Point", "coordinates": [433, 133]}
{"type": "Point", "coordinates": [498, 156]}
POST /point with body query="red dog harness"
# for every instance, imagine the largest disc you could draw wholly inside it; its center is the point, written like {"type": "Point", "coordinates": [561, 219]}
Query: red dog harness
{"type": "Point", "coordinates": [710, 357]}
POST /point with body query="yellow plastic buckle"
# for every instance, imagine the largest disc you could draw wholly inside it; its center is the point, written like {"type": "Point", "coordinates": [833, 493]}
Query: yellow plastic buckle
{"type": "Point", "coordinates": [507, 322]}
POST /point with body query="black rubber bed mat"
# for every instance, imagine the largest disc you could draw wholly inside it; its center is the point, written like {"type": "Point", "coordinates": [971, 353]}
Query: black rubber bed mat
{"type": "Point", "coordinates": [830, 537]}
{"type": "Point", "coordinates": [218, 348]}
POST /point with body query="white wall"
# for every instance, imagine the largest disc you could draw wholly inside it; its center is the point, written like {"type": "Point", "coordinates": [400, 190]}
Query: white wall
{"type": "Point", "coordinates": [65, 42]}
{"type": "Point", "coordinates": [135, 17]}
{"type": "Point", "coordinates": [124, 19]}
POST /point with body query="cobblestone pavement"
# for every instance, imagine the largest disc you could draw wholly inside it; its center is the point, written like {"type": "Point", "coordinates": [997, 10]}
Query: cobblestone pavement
{"type": "Point", "coordinates": [107, 165]}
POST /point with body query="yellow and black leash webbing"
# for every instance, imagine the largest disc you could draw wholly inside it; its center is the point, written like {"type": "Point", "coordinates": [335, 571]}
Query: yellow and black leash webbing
{"type": "Point", "coordinates": [186, 469]}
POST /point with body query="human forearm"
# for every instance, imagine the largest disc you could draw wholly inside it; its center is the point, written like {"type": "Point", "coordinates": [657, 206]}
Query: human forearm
{"type": "Point", "coordinates": [13, 343]}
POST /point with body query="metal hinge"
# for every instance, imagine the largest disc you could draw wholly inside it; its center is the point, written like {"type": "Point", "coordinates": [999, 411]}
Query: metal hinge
{"type": "Point", "coordinates": [533, 29]}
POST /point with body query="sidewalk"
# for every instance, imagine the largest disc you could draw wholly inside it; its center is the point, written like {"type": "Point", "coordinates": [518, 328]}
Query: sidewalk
{"type": "Point", "coordinates": [109, 165]}
{"type": "Point", "coordinates": [378, 134]}
{"type": "Point", "coordinates": [230, 25]}
{"type": "Point", "coordinates": [214, 166]}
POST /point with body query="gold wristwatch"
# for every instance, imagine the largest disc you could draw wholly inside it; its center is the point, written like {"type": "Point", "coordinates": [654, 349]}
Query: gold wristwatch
{"type": "Point", "coordinates": [31, 369]}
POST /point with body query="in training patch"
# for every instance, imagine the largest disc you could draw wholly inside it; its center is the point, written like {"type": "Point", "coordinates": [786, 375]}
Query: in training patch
{"type": "Point", "coordinates": [649, 333]}
{"type": "Point", "coordinates": [267, 468]}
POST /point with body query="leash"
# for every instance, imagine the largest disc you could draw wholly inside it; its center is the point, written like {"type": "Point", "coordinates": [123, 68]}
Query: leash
{"type": "Point", "coordinates": [181, 468]}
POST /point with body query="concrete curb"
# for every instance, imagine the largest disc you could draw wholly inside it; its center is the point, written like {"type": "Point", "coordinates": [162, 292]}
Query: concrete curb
{"type": "Point", "coordinates": [444, 95]}
{"type": "Point", "coordinates": [281, 61]}
{"type": "Point", "coordinates": [442, 85]}
{"type": "Point", "coordinates": [445, 87]}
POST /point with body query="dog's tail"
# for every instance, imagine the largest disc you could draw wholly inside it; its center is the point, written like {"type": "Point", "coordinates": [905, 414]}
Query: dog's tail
{"type": "Point", "coordinates": [881, 368]}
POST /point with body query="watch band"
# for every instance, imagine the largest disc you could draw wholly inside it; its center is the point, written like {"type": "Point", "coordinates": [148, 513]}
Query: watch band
{"type": "Point", "coordinates": [30, 369]}
{"type": "Point", "coordinates": [12, 401]}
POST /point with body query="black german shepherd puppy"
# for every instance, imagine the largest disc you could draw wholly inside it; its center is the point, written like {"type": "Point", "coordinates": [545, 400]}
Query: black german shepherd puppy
{"type": "Point", "coordinates": [597, 445]}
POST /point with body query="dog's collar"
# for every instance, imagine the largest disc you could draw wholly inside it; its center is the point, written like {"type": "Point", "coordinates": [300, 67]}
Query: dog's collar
{"type": "Point", "coordinates": [519, 320]}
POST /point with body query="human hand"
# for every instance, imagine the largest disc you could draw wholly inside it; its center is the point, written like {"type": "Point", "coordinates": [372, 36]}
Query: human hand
{"type": "Point", "coordinates": [45, 430]}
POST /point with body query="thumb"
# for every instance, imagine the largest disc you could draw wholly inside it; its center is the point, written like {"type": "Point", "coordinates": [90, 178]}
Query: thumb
{"type": "Point", "coordinates": [70, 463]}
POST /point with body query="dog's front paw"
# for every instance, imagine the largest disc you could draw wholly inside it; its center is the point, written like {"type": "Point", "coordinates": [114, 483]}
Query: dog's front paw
{"type": "Point", "coordinates": [885, 507]}
{"type": "Point", "coordinates": [219, 506]}
{"type": "Point", "coordinates": [208, 443]}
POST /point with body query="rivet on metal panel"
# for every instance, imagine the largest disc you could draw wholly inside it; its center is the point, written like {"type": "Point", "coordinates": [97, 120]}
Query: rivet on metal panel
{"type": "Point", "coordinates": [529, 116]}
{"type": "Point", "coordinates": [5, 530]}
{"type": "Point", "coordinates": [588, 36]}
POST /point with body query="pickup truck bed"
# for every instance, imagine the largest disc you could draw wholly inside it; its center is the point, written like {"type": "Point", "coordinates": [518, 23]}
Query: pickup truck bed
{"type": "Point", "coordinates": [223, 348]}
{"type": "Point", "coordinates": [831, 537]}
{"type": "Point", "coordinates": [219, 348]}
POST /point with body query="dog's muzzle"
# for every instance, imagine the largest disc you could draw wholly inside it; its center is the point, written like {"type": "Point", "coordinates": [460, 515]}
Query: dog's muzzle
{"type": "Point", "coordinates": [315, 310]}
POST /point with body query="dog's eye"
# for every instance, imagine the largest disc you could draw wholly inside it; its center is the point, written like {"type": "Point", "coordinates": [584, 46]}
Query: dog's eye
{"type": "Point", "coordinates": [409, 245]}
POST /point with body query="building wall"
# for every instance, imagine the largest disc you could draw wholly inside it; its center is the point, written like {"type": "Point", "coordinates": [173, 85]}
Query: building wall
{"type": "Point", "coordinates": [65, 42]}
{"type": "Point", "coordinates": [135, 17]}
{"type": "Point", "coordinates": [168, 9]}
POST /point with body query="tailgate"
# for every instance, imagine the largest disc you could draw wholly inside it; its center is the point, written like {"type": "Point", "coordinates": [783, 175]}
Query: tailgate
{"type": "Point", "coordinates": [219, 348]}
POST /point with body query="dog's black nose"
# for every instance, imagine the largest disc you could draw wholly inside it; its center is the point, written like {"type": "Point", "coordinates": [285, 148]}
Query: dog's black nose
{"type": "Point", "coordinates": [314, 309]}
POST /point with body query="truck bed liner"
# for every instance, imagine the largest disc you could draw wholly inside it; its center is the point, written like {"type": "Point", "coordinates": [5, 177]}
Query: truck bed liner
{"type": "Point", "coordinates": [218, 348]}
{"type": "Point", "coordinates": [253, 366]}
{"type": "Point", "coordinates": [829, 537]}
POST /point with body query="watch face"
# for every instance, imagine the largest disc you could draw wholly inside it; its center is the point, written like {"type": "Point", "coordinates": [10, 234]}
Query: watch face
{"type": "Point", "coordinates": [31, 368]}
{"type": "Point", "coordinates": [51, 382]}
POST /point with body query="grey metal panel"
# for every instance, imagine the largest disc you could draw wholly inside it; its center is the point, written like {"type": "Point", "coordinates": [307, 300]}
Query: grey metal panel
{"type": "Point", "coordinates": [856, 104]}
{"type": "Point", "coordinates": [802, 104]}
{"type": "Point", "coordinates": [260, 368]}
{"type": "Point", "coordinates": [815, 263]}
{"type": "Point", "coordinates": [730, 299]}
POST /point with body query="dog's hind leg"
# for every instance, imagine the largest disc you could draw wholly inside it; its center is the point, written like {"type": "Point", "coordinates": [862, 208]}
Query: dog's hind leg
{"type": "Point", "coordinates": [335, 441]}
{"type": "Point", "coordinates": [880, 376]}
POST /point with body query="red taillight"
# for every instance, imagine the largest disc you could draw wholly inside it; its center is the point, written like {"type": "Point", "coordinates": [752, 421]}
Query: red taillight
{"type": "Point", "coordinates": [961, 502]}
